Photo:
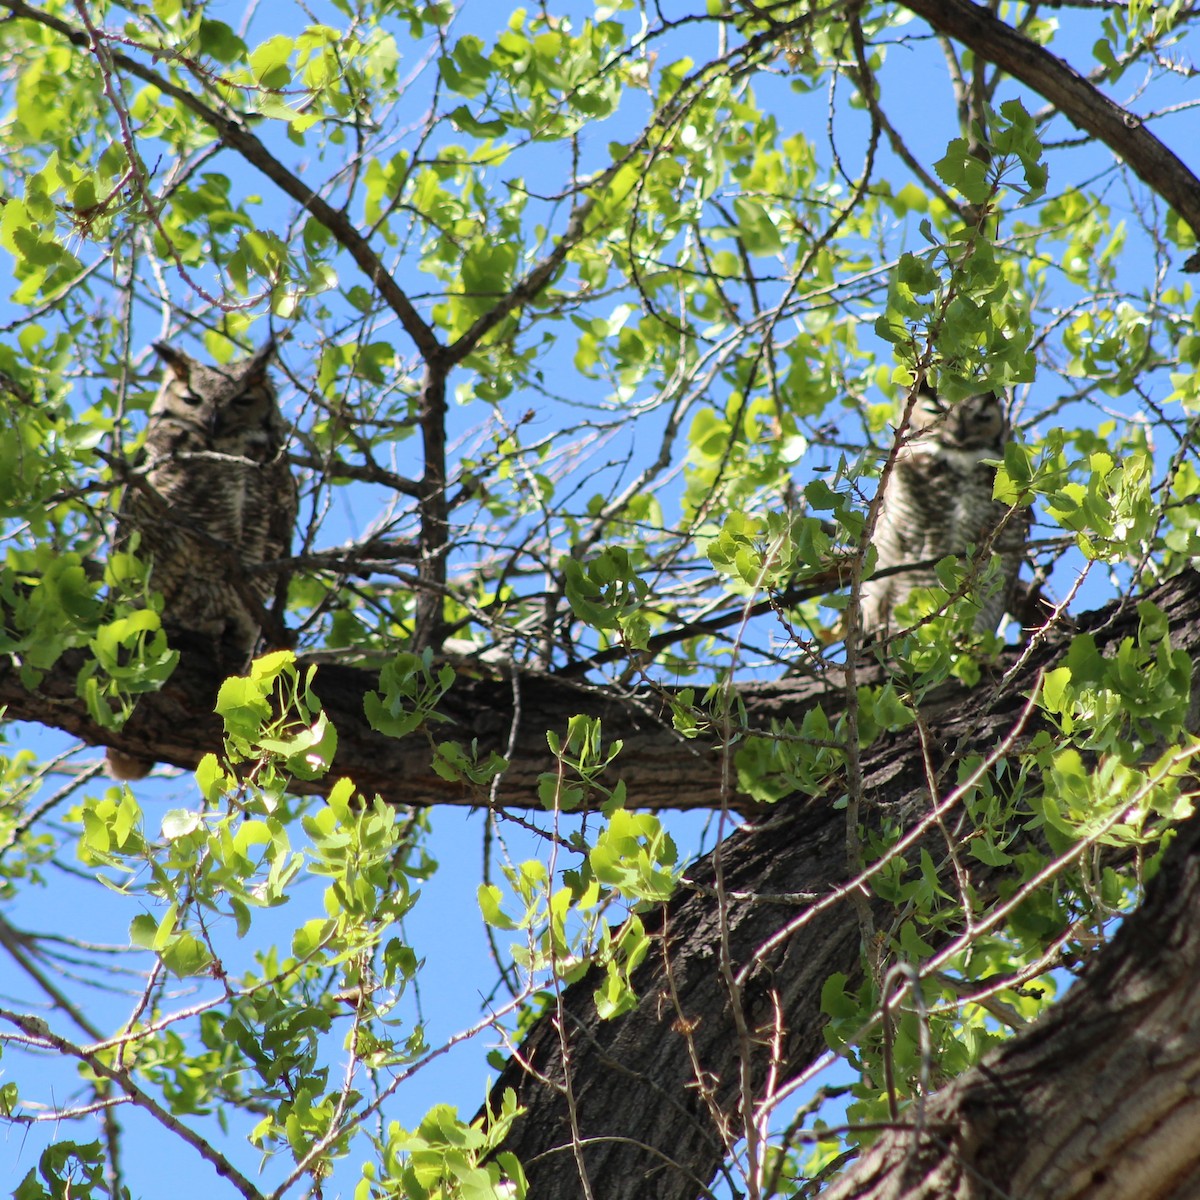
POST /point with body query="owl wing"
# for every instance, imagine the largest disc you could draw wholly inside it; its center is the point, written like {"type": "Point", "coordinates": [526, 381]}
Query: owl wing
{"type": "Point", "coordinates": [935, 506]}
{"type": "Point", "coordinates": [281, 506]}
{"type": "Point", "coordinates": [997, 593]}
{"type": "Point", "coordinates": [912, 528]}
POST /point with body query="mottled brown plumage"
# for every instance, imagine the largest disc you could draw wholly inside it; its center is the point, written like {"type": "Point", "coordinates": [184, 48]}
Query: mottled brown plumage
{"type": "Point", "coordinates": [212, 494]}
{"type": "Point", "coordinates": [939, 502]}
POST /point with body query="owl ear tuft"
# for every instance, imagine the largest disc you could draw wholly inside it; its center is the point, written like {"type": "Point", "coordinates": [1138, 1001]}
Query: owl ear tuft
{"type": "Point", "coordinates": [256, 365]}
{"type": "Point", "coordinates": [178, 363]}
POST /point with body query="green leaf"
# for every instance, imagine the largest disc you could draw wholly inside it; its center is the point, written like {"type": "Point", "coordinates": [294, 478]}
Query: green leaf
{"type": "Point", "coordinates": [958, 168]}
{"type": "Point", "coordinates": [179, 823]}
{"type": "Point", "coordinates": [756, 229]}
{"type": "Point", "coordinates": [269, 62]}
{"type": "Point", "coordinates": [489, 905]}
{"type": "Point", "coordinates": [186, 956]}
{"type": "Point", "coordinates": [143, 930]}
{"type": "Point", "coordinates": [462, 120]}
{"type": "Point", "coordinates": [219, 41]}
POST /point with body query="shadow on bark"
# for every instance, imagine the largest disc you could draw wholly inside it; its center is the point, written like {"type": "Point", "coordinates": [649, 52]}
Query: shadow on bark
{"type": "Point", "coordinates": [652, 1089]}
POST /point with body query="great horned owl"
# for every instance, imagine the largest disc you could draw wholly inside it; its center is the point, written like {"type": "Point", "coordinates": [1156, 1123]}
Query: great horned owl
{"type": "Point", "coordinates": [938, 502]}
{"type": "Point", "coordinates": [211, 495]}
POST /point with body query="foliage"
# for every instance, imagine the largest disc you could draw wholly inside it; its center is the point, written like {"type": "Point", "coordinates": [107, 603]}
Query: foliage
{"type": "Point", "coordinates": [597, 327]}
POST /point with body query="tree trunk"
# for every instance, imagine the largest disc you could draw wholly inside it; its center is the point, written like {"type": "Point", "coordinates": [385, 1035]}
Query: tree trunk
{"type": "Point", "coordinates": [634, 1078]}
{"type": "Point", "coordinates": [638, 1108]}
{"type": "Point", "coordinates": [1097, 1100]}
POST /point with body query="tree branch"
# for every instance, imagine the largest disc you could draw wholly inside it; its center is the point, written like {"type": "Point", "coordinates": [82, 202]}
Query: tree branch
{"type": "Point", "coordinates": [1125, 1037]}
{"type": "Point", "coordinates": [1075, 97]}
{"type": "Point", "coordinates": [670, 770]}
{"type": "Point", "coordinates": [533, 283]}
{"type": "Point", "coordinates": [231, 129]}
{"type": "Point", "coordinates": [636, 1076]}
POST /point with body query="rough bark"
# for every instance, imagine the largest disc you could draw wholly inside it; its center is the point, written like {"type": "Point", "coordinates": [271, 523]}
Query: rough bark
{"type": "Point", "coordinates": [1099, 1099]}
{"type": "Point", "coordinates": [663, 770]}
{"type": "Point", "coordinates": [509, 715]}
{"type": "Point", "coordinates": [638, 1109]}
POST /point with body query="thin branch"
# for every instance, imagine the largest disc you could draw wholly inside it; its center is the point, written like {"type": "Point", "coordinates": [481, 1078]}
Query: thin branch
{"type": "Point", "coordinates": [36, 1034]}
{"type": "Point", "coordinates": [231, 129]}
{"type": "Point", "coordinates": [1123, 132]}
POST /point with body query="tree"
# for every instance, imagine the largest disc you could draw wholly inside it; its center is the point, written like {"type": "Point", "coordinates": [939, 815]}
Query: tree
{"type": "Point", "coordinates": [597, 331]}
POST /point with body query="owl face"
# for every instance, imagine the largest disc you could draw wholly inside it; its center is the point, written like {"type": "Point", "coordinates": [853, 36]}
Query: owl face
{"type": "Point", "coordinates": [230, 409]}
{"type": "Point", "coordinates": [973, 423]}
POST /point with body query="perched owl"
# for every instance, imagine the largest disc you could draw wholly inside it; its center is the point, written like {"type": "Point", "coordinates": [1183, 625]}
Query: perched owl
{"type": "Point", "coordinates": [939, 501]}
{"type": "Point", "coordinates": [211, 494]}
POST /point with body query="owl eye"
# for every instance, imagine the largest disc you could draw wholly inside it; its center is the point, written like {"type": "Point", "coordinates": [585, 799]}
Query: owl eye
{"type": "Point", "coordinates": [189, 398]}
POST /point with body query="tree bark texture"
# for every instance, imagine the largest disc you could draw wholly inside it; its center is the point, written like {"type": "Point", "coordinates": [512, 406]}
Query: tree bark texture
{"type": "Point", "coordinates": [503, 714]}
{"type": "Point", "coordinates": [506, 714]}
{"type": "Point", "coordinates": [1100, 1099]}
{"type": "Point", "coordinates": [638, 1083]}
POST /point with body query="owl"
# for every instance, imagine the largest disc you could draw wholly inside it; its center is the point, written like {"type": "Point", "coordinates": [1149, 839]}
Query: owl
{"type": "Point", "coordinates": [938, 502]}
{"type": "Point", "coordinates": [211, 495]}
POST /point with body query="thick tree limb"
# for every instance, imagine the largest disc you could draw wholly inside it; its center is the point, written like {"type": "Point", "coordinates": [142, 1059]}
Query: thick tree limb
{"type": "Point", "coordinates": [1083, 104]}
{"type": "Point", "coordinates": [1096, 1100]}
{"type": "Point", "coordinates": [662, 769]}
{"type": "Point", "coordinates": [638, 1103]}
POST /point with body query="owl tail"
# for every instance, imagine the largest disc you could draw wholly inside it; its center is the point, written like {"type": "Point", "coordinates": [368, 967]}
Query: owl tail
{"type": "Point", "coordinates": [127, 767]}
